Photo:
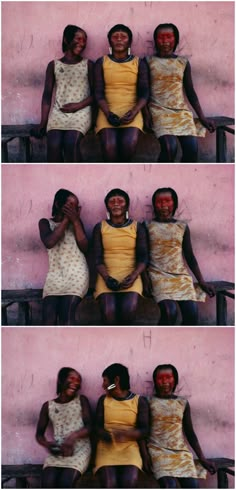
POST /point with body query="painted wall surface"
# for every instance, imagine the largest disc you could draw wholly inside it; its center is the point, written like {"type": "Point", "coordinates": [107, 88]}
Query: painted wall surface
{"type": "Point", "coordinates": [204, 358]}
{"type": "Point", "coordinates": [206, 202]}
{"type": "Point", "coordinates": [206, 38]}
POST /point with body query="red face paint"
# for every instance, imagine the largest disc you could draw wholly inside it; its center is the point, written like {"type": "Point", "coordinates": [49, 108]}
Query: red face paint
{"type": "Point", "coordinates": [164, 206]}
{"type": "Point", "coordinates": [165, 382]}
{"type": "Point", "coordinates": [165, 41]}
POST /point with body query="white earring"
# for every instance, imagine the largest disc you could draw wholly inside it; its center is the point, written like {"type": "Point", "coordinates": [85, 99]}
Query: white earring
{"type": "Point", "coordinates": [127, 214]}
{"type": "Point", "coordinates": [110, 50]}
{"type": "Point", "coordinates": [129, 51]}
{"type": "Point", "coordinates": [108, 215]}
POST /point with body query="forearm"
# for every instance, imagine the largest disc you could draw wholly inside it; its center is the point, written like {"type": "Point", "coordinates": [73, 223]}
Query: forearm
{"type": "Point", "coordinates": [80, 236]}
{"type": "Point", "coordinates": [103, 105]}
{"type": "Point", "coordinates": [45, 109]}
{"type": "Point", "coordinates": [102, 270]}
{"type": "Point", "coordinates": [41, 439]}
{"type": "Point", "coordinates": [141, 103]}
{"type": "Point", "coordinates": [51, 240]}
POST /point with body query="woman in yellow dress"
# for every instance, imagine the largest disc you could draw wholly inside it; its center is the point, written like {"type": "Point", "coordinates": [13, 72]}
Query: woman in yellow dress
{"type": "Point", "coordinates": [121, 91]}
{"type": "Point", "coordinates": [170, 117]}
{"type": "Point", "coordinates": [170, 280]}
{"type": "Point", "coordinates": [121, 255]}
{"type": "Point", "coordinates": [168, 456]}
{"type": "Point", "coordinates": [122, 421]}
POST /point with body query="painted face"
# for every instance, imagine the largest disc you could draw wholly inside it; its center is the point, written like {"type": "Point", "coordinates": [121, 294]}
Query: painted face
{"type": "Point", "coordinates": [117, 205]}
{"type": "Point", "coordinates": [119, 41]}
{"type": "Point", "coordinates": [72, 383]}
{"type": "Point", "coordinates": [164, 206]}
{"type": "Point", "coordinates": [78, 44]}
{"type": "Point", "coordinates": [164, 382]}
{"type": "Point", "coordinates": [165, 41]}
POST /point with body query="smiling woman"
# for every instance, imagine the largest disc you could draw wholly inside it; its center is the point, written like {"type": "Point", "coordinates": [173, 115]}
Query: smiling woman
{"type": "Point", "coordinates": [70, 415]}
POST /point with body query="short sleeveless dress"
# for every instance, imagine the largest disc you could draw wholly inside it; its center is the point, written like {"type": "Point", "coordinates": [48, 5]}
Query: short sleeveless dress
{"type": "Point", "coordinates": [168, 273]}
{"type": "Point", "coordinates": [68, 270]}
{"type": "Point", "coordinates": [120, 81]}
{"type": "Point", "coordinates": [119, 245]}
{"type": "Point", "coordinates": [170, 113]}
{"type": "Point", "coordinates": [119, 415]}
{"type": "Point", "coordinates": [67, 418]}
{"type": "Point", "coordinates": [72, 85]}
{"type": "Point", "coordinates": [168, 450]}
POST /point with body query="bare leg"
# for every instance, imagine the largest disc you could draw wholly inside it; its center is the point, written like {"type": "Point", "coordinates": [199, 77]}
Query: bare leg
{"type": "Point", "coordinates": [68, 477]}
{"type": "Point", "coordinates": [189, 145]}
{"type": "Point", "coordinates": [50, 310]}
{"type": "Point", "coordinates": [168, 148]}
{"type": "Point", "coordinates": [128, 139]}
{"type": "Point", "coordinates": [54, 146]}
{"type": "Point", "coordinates": [108, 138]}
{"type": "Point", "coordinates": [189, 311]}
{"type": "Point", "coordinates": [169, 313]}
{"type": "Point", "coordinates": [107, 302]}
{"type": "Point", "coordinates": [127, 476]}
{"type": "Point", "coordinates": [71, 145]}
{"type": "Point", "coordinates": [67, 312]}
{"type": "Point", "coordinates": [167, 482]}
{"type": "Point", "coordinates": [128, 303]}
{"type": "Point", "coordinates": [107, 477]}
{"type": "Point", "coordinates": [50, 476]}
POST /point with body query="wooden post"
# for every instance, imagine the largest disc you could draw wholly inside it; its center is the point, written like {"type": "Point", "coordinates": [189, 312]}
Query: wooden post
{"type": "Point", "coordinates": [221, 152]}
{"type": "Point", "coordinates": [222, 479]}
{"type": "Point", "coordinates": [221, 309]}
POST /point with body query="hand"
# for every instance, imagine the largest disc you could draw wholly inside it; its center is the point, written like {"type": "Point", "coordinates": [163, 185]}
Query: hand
{"type": "Point", "coordinates": [71, 213]}
{"type": "Point", "coordinates": [128, 117]}
{"type": "Point", "coordinates": [208, 465]}
{"type": "Point", "coordinates": [67, 447]}
{"type": "Point", "coordinates": [112, 283]}
{"type": "Point", "coordinates": [120, 435]}
{"type": "Point", "coordinates": [106, 436]}
{"type": "Point", "coordinates": [71, 107]}
{"type": "Point", "coordinates": [208, 288]}
{"type": "Point", "coordinates": [38, 132]}
{"type": "Point", "coordinates": [113, 119]}
{"type": "Point", "coordinates": [208, 124]}
{"type": "Point", "coordinates": [54, 448]}
{"type": "Point", "coordinates": [128, 281]}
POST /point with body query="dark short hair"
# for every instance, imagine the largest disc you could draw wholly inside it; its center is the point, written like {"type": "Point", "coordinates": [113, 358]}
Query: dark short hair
{"type": "Point", "coordinates": [167, 26]}
{"type": "Point", "coordinates": [62, 376]}
{"type": "Point", "coordinates": [69, 34]}
{"type": "Point", "coordinates": [166, 189]}
{"type": "Point", "coordinates": [117, 192]}
{"type": "Point", "coordinates": [118, 370]}
{"type": "Point", "coordinates": [166, 366]}
{"type": "Point", "coordinates": [120, 27]}
{"type": "Point", "coordinates": [60, 199]}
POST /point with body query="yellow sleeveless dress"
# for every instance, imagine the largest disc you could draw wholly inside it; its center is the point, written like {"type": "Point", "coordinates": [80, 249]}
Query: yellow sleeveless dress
{"type": "Point", "coordinates": [119, 415]}
{"type": "Point", "coordinates": [72, 85]}
{"type": "Point", "coordinates": [119, 246]}
{"type": "Point", "coordinates": [169, 275]}
{"type": "Point", "coordinates": [168, 450]}
{"type": "Point", "coordinates": [170, 113]}
{"type": "Point", "coordinates": [67, 418]}
{"type": "Point", "coordinates": [120, 91]}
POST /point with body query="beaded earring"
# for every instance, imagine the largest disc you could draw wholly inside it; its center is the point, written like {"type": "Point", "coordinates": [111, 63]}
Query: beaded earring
{"type": "Point", "coordinates": [129, 51]}
{"type": "Point", "coordinates": [127, 214]}
{"type": "Point", "coordinates": [108, 215]}
{"type": "Point", "coordinates": [110, 50]}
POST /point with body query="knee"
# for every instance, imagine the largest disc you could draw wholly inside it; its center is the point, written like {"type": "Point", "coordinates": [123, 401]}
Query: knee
{"type": "Point", "coordinates": [169, 312]}
{"type": "Point", "coordinates": [108, 311]}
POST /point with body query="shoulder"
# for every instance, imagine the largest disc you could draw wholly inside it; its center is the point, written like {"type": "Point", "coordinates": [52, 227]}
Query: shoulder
{"type": "Point", "coordinates": [90, 63]}
{"type": "Point", "coordinates": [101, 400]}
{"type": "Point", "coordinates": [43, 223]}
{"type": "Point", "coordinates": [100, 60]}
{"type": "Point", "coordinates": [98, 226]}
{"type": "Point", "coordinates": [83, 400]}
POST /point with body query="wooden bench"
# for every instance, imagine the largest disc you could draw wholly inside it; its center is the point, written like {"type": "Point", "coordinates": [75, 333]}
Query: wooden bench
{"type": "Point", "coordinates": [22, 131]}
{"type": "Point", "coordinates": [24, 297]}
{"type": "Point", "coordinates": [23, 472]}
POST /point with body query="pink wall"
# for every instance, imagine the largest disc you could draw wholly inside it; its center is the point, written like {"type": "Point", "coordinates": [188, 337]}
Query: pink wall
{"type": "Point", "coordinates": [32, 31]}
{"type": "Point", "coordinates": [204, 358]}
{"type": "Point", "coordinates": [206, 201]}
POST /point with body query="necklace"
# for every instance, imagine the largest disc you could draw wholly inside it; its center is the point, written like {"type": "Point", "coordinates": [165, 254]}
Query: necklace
{"type": "Point", "coordinates": [122, 60]}
{"type": "Point", "coordinates": [127, 222]}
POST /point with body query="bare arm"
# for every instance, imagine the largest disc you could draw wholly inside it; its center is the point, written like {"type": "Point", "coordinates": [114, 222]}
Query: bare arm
{"type": "Point", "coordinates": [67, 447]}
{"type": "Point", "coordinates": [141, 430]}
{"type": "Point", "coordinates": [142, 93]}
{"type": "Point", "coordinates": [100, 87]}
{"type": "Point", "coordinates": [193, 440]}
{"type": "Point", "coordinates": [41, 428]}
{"type": "Point", "coordinates": [49, 237]}
{"type": "Point", "coordinates": [76, 106]}
{"type": "Point", "coordinates": [100, 431]}
{"type": "Point", "coordinates": [141, 257]}
{"type": "Point", "coordinates": [193, 99]}
{"type": "Point", "coordinates": [193, 264]}
{"type": "Point", "coordinates": [73, 215]}
{"type": "Point", "coordinates": [47, 95]}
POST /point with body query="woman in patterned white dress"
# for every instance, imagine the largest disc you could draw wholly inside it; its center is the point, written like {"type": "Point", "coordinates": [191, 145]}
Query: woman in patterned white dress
{"type": "Point", "coordinates": [70, 448]}
{"type": "Point", "coordinates": [68, 276]}
{"type": "Point", "coordinates": [71, 115]}
{"type": "Point", "coordinates": [169, 245]}
{"type": "Point", "coordinates": [170, 117]}
{"type": "Point", "coordinates": [168, 456]}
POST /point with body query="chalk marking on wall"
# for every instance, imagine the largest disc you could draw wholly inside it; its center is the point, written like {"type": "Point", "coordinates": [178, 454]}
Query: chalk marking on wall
{"type": "Point", "coordinates": [147, 339]}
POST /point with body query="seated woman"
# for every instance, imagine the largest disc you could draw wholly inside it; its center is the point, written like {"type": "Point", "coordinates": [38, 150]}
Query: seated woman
{"type": "Point", "coordinates": [70, 416]}
{"type": "Point", "coordinates": [67, 280]}
{"type": "Point", "coordinates": [168, 456]}
{"type": "Point", "coordinates": [122, 420]}
{"type": "Point", "coordinates": [121, 92]}
{"type": "Point", "coordinates": [170, 116]}
{"type": "Point", "coordinates": [170, 281]}
{"type": "Point", "coordinates": [120, 248]}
